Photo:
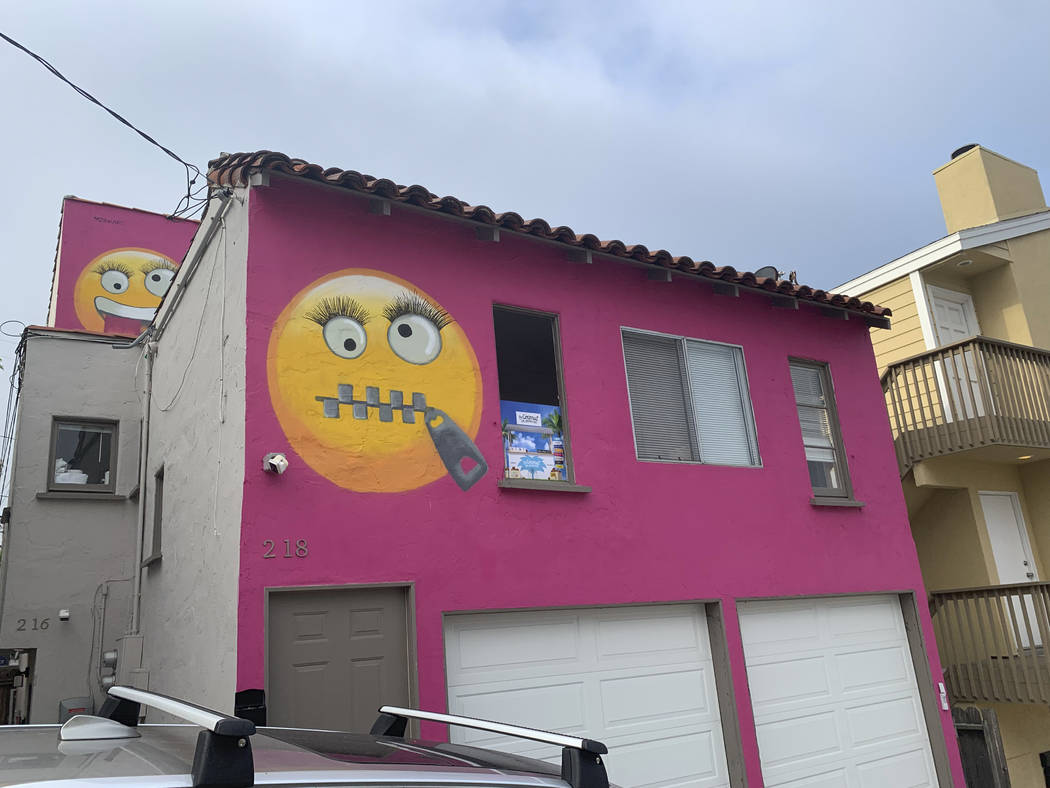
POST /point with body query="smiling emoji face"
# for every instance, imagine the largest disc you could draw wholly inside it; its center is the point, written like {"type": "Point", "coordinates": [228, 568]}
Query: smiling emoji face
{"type": "Point", "coordinates": [122, 283]}
{"type": "Point", "coordinates": [375, 385]}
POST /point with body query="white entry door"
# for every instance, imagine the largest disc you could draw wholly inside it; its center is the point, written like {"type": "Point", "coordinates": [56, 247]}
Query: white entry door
{"type": "Point", "coordinates": [1013, 555]}
{"type": "Point", "coordinates": [955, 320]}
{"type": "Point", "coordinates": [834, 694]}
{"type": "Point", "coordinates": [639, 679]}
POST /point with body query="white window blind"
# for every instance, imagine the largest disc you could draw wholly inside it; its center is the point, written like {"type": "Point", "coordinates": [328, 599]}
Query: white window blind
{"type": "Point", "coordinates": [689, 400]}
{"type": "Point", "coordinates": [658, 403]}
{"type": "Point", "coordinates": [815, 413]}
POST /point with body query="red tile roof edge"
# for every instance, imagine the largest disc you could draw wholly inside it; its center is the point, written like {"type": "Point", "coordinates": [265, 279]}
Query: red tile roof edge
{"type": "Point", "coordinates": [234, 169]}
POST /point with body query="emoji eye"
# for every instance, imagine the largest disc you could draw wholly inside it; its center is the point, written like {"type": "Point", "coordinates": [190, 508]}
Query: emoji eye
{"type": "Point", "coordinates": [345, 337]}
{"type": "Point", "coordinates": [159, 280]}
{"type": "Point", "coordinates": [114, 281]}
{"type": "Point", "coordinates": [414, 338]}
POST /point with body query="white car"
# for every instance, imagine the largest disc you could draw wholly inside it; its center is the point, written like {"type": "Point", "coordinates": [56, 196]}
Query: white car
{"type": "Point", "coordinates": [219, 751]}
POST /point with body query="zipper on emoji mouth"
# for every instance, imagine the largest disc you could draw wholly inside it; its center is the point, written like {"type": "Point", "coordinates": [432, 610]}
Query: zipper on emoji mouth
{"type": "Point", "coordinates": [361, 408]}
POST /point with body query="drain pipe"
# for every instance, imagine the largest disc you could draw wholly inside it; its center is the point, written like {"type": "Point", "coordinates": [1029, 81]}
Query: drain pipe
{"type": "Point", "coordinates": [140, 532]}
{"type": "Point", "coordinates": [151, 336]}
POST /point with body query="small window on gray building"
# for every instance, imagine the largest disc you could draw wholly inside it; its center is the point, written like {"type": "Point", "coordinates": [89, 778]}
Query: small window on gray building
{"type": "Point", "coordinates": [156, 542]}
{"type": "Point", "coordinates": [83, 456]}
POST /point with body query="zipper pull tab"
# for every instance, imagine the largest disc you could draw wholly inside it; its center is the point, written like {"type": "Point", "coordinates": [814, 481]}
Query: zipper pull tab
{"type": "Point", "coordinates": [453, 446]}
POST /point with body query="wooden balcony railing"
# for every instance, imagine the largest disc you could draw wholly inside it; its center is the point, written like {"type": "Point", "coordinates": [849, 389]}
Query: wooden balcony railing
{"type": "Point", "coordinates": [978, 392]}
{"type": "Point", "coordinates": [993, 642]}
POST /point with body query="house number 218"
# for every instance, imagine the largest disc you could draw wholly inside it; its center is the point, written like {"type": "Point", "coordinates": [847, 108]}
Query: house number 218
{"type": "Point", "coordinates": [298, 550]}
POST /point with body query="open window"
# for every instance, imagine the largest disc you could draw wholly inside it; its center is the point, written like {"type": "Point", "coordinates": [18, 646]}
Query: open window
{"type": "Point", "coordinates": [821, 437]}
{"type": "Point", "coordinates": [83, 456]}
{"type": "Point", "coordinates": [531, 392]}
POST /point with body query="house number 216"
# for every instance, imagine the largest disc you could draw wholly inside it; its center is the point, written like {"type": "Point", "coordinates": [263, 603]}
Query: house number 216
{"type": "Point", "coordinates": [298, 550]}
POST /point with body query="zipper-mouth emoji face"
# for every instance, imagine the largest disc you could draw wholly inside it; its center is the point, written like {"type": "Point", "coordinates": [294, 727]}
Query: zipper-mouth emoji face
{"type": "Point", "coordinates": [375, 385]}
{"type": "Point", "coordinates": [124, 283]}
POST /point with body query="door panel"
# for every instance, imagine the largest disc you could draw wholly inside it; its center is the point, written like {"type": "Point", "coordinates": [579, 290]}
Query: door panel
{"type": "Point", "coordinates": [955, 320]}
{"type": "Point", "coordinates": [335, 656]}
{"type": "Point", "coordinates": [1013, 556]}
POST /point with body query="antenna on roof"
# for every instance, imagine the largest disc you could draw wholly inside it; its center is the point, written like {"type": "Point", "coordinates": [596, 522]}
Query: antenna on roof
{"type": "Point", "coordinates": [768, 271]}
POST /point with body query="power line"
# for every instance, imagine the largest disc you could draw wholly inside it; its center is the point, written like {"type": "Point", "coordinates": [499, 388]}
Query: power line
{"type": "Point", "coordinates": [190, 168]}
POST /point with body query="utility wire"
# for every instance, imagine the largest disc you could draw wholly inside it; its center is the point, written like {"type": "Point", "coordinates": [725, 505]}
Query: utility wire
{"type": "Point", "coordinates": [190, 168]}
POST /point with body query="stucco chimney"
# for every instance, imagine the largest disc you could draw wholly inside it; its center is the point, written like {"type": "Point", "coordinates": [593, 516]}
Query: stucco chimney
{"type": "Point", "coordinates": [979, 186]}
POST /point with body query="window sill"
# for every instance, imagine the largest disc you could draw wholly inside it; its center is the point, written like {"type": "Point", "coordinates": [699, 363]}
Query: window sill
{"type": "Point", "coordinates": [80, 496]}
{"type": "Point", "coordinates": [848, 503]}
{"type": "Point", "coordinates": [542, 484]}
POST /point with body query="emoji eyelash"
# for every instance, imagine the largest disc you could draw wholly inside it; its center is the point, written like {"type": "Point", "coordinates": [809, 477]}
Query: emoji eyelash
{"type": "Point", "coordinates": [412, 304]}
{"type": "Point", "coordinates": [338, 306]}
{"type": "Point", "coordinates": [105, 267]}
{"type": "Point", "coordinates": [157, 264]}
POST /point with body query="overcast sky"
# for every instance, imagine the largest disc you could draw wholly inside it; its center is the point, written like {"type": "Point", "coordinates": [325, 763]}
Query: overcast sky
{"type": "Point", "coordinates": [797, 134]}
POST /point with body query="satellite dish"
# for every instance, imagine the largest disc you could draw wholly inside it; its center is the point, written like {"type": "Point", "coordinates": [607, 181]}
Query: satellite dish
{"type": "Point", "coordinates": [769, 272]}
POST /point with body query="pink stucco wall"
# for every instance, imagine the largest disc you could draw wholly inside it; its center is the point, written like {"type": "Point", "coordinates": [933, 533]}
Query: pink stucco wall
{"type": "Point", "coordinates": [648, 532]}
{"type": "Point", "coordinates": [91, 229]}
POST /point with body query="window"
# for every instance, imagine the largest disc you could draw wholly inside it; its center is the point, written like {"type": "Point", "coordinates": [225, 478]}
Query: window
{"type": "Point", "coordinates": [83, 456]}
{"type": "Point", "coordinates": [820, 430]}
{"type": "Point", "coordinates": [158, 513]}
{"type": "Point", "coordinates": [532, 410]}
{"type": "Point", "coordinates": [689, 400]}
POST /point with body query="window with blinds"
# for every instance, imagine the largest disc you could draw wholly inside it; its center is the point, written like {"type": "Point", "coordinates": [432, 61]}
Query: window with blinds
{"type": "Point", "coordinates": [820, 432]}
{"type": "Point", "coordinates": [689, 400]}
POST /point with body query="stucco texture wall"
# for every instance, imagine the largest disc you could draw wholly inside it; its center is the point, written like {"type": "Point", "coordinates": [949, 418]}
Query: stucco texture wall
{"type": "Point", "coordinates": [76, 553]}
{"type": "Point", "coordinates": [197, 434]}
{"type": "Point", "coordinates": [1031, 256]}
{"type": "Point", "coordinates": [648, 531]}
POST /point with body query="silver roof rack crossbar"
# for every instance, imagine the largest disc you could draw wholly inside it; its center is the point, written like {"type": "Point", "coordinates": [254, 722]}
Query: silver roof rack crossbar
{"type": "Point", "coordinates": [581, 759]}
{"type": "Point", "coordinates": [223, 757]}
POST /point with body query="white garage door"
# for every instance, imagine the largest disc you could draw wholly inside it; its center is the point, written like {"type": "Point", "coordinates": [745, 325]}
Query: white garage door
{"type": "Point", "coordinates": [637, 678]}
{"type": "Point", "coordinates": [834, 694]}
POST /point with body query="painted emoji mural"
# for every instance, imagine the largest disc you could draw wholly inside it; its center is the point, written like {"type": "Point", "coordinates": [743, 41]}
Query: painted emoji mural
{"type": "Point", "coordinates": [375, 386]}
{"type": "Point", "coordinates": [123, 284]}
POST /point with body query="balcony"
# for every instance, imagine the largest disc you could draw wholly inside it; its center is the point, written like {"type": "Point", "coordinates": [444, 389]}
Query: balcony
{"type": "Point", "coordinates": [993, 642]}
{"type": "Point", "coordinates": [975, 393]}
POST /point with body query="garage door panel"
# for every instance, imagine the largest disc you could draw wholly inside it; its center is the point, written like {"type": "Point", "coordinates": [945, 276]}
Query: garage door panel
{"type": "Point", "coordinates": [883, 721]}
{"type": "Point", "coordinates": [557, 705]}
{"type": "Point", "coordinates": [878, 619]}
{"type": "Point", "coordinates": [657, 762]}
{"type": "Point", "coordinates": [770, 629]}
{"type": "Point", "coordinates": [837, 778]}
{"type": "Point", "coordinates": [529, 645]}
{"type": "Point", "coordinates": [874, 668]}
{"type": "Point", "coordinates": [789, 681]}
{"type": "Point", "coordinates": [673, 635]}
{"type": "Point", "coordinates": [841, 706]}
{"type": "Point", "coordinates": [795, 738]}
{"type": "Point", "coordinates": [655, 697]}
{"type": "Point", "coordinates": [904, 770]}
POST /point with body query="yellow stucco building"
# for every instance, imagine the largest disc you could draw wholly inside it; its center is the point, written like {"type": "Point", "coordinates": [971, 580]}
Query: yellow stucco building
{"type": "Point", "coordinates": [966, 374]}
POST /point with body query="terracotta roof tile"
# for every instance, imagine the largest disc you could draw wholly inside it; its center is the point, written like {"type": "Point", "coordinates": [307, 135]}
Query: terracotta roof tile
{"type": "Point", "coordinates": [234, 169]}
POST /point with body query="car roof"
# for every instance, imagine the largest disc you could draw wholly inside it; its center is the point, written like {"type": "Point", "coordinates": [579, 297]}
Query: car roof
{"type": "Point", "coordinates": [162, 755]}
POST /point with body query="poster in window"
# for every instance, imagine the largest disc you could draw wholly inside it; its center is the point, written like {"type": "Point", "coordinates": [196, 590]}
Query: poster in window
{"type": "Point", "coordinates": [533, 445]}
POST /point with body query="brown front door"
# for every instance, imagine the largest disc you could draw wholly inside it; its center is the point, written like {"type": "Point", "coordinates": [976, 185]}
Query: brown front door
{"type": "Point", "coordinates": [335, 656]}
